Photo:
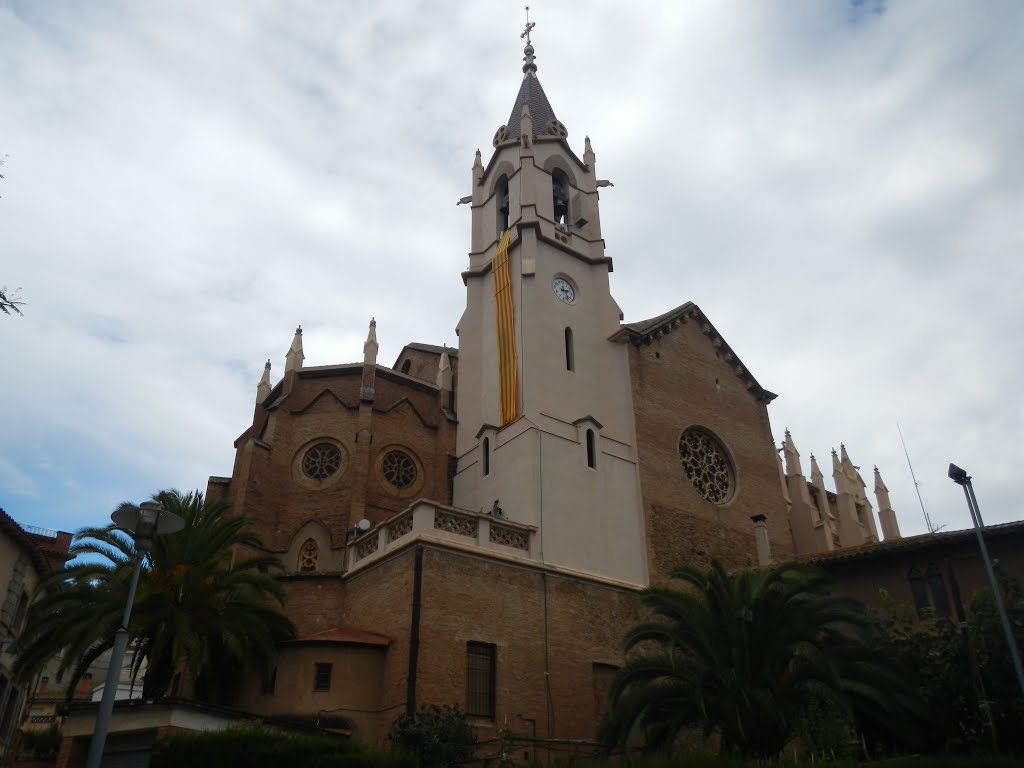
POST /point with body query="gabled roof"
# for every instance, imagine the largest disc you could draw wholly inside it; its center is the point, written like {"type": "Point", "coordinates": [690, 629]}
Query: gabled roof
{"type": "Point", "coordinates": [646, 331]}
{"type": "Point", "coordinates": [432, 349]}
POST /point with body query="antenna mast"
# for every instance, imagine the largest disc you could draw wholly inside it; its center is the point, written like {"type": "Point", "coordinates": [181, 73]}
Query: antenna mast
{"type": "Point", "coordinates": [927, 519]}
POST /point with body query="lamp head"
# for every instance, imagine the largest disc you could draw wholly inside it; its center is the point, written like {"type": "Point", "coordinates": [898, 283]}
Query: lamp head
{"type": "Point", "coordinates": [146, 521]}
{"type": "Point", "coordinates": [958, 476]}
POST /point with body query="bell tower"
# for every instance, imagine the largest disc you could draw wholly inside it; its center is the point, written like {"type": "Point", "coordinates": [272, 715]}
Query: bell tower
{"type": "Point", "coordinates": [545, 408]}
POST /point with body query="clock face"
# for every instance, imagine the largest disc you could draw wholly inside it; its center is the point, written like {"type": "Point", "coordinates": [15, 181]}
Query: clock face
{"type": "Point", "coordinates": [563, 290]}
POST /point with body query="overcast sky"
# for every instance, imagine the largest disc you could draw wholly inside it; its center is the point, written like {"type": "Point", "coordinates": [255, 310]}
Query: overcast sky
{"type": "Point", "coordinates": [838, 185]}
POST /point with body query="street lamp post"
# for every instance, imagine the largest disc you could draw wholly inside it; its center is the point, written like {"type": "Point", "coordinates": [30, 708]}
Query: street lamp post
{"type": "Point", "coordinates": [144, 522]}
{"type": "Point", "coordinates": [961, 478]}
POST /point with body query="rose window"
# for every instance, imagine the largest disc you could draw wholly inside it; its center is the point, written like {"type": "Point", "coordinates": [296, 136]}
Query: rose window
{"type": "Point", "coordinates": [321, 461]}
{"type": "Point", "coordinates": [399, 469]}
{"type": "Point", "coordinates": [706, 465]}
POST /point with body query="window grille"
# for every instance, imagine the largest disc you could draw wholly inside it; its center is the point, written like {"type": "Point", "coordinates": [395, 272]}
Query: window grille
{"type": "Point", "coordinates": [322, 677]}
{"type": "Point", "coordinates": [480, 679]}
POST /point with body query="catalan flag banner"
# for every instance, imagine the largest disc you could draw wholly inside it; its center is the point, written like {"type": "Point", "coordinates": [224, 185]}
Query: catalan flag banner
{"type": "Point", "coordinates": [507, 366]}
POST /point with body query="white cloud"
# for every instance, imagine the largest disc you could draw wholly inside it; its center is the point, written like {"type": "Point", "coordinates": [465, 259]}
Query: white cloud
{"type": "Point", "coordinates": [839, 187]}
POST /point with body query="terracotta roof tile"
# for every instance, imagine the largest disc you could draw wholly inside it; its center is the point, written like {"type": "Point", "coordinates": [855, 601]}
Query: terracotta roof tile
{"type": "Point", "coordinates": [345, 635]}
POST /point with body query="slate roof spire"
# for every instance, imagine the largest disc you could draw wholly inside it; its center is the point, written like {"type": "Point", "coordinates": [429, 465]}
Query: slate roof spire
{"type": "Point", "coordinates": [533, 97]}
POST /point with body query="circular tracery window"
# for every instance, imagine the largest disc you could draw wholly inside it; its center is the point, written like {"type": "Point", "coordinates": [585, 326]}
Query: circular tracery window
{"type": "Point", "coordinates": [707, 465]}
{"type": "Point", "coordinates": [309, 556]}
{"type": "Point", "coordinates": [321, 461]}
{"type": "Point", "coordinates": [399, 469]}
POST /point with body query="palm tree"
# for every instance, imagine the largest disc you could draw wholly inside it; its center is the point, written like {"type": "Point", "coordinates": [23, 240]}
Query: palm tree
{"type": "Point", "coordinates": [202, 606]}
{"type": "Point", "coordinates": [746, 656]}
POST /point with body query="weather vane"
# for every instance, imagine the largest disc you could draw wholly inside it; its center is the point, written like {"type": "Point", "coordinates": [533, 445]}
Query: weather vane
{"type": "Point", "coordinates": [529, 25]}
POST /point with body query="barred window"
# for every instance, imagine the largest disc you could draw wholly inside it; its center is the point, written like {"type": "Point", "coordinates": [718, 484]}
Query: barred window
{"type": "Point", "coordinates": [322, 677]}
{"type": "Point", "coordinates": [480, 679]}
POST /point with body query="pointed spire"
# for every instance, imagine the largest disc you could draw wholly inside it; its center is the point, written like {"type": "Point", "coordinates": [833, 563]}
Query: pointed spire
{"type": "Point", "coordinates": [881, 492]}
{"type": "Point", "coordinates": [845, 457]}
{"type": "Point", "coordinates": [782, 480]}
{"type": "Point", "coordinates": [295, 356]}
{"type": "Point", "coordinates": [818, 481]}
{"type": "Point", "coordinates": [588, 153]}
{"type": "Point", "coordinates": [886, 515]}
{"type": "Point", "coordinates": [792, 456]}
{"type": "Point", "coordinates": [369, 379]}
{"type": "Point", "coordinates": [852, 473]}
{"type": "Point", "coordinates": [478, 168]}
{"type": "Point", "coordinates": [444, 371]}
{"type": "Point", "coordinates": [263, 388]}
{"type": "Point", "coordinates": [532, 95]}
{"type": "Point", "coordinates": [528, 57]}
{"type": "Point", "coordinates": [370, 346]}
{"type": "Point", "coordinates": [838, 475]}
{"type": "Point", "coordinates": [815, 472]}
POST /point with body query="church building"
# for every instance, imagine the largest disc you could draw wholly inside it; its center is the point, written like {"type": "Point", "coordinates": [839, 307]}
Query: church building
{"type": "Point", "coordinates": [472, 526]}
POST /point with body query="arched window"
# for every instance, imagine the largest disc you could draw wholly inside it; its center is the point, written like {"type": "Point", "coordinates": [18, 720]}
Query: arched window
{"type": "Point", "coordinates": [487, 456]}
{"type": "Point", "coordinates": [309, 556]}
{"type": "Point", "coordinates": [406, 366]}
{"type": "Point", "coordinates": [501, 199]}
{"type": "Point", "coordinates": [570, 359]}
{"type": "Point", "coordinates": [591, 449]}
{"type": "Point", "coordinates": [937, 586]}
{"type": "Point", "coordinates": [560, 196]}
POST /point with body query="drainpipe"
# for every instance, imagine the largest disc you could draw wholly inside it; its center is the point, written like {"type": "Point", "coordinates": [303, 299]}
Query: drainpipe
{"type": "Point", "coordinates": [414, 632]}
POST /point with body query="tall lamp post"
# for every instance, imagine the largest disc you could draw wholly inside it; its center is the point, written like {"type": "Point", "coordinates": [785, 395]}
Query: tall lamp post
{"type": "Point", "coordinates": [961, 478]}
{"type": "Point", "coordinates": [144, 522]}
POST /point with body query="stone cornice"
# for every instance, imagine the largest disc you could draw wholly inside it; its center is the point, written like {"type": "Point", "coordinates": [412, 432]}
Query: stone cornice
{"type": "Point", "coordinates": [647, 331]}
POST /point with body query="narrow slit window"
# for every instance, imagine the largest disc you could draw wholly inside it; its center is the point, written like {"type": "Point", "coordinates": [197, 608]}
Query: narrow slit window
{"type": "Point", "coordinates": [560, 196]}
{"type": "Point", "coordinates": [501, 193]}
{"type": "Point", "coordinates": [570, 359]}
{"type": "Point", "coordinates": [591, 449]}
{"type": "Point", "coordinates": [487, 456]}
{"type": "Point", "coordinates": [406, 366]}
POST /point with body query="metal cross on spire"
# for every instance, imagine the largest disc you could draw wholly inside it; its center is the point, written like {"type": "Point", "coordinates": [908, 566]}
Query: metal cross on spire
{"type": "Point", "coordinates": [529, 25]}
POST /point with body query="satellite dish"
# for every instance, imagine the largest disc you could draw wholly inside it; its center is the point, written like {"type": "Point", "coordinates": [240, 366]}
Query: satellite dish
{"type": "Point", "coordinates": [363, 525]}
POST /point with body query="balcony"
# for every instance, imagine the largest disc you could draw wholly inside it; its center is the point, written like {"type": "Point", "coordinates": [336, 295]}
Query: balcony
{"type": "Point", "coordinates": [435, 522]}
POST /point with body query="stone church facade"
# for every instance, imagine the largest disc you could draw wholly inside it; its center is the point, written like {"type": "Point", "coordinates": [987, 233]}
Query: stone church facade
{"type": "Point", "coordinates": [473, 526]}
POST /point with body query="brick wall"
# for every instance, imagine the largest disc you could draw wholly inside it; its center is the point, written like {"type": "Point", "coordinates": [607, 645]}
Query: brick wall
{"type": "Point", "coordinates": [679, 380]}
{"type": "Point", "coordinates": [269, 485]}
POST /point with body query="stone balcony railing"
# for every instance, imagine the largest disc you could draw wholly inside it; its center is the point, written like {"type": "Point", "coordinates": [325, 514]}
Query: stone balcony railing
{"type": "Point", "coordinates": [437, 522]}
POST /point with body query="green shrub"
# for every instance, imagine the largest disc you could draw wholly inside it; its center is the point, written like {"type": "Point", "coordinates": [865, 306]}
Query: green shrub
{"type": "Point", "coordinates": [436, 736]}
{"type": "Point", "coordinates": [40, 744]}
{"type": "Point", "coordinates": [253, 745]}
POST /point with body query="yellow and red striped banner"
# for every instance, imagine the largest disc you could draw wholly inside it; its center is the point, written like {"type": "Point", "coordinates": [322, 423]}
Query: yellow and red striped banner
{"type": "Point", "coordinates": [507, 365]}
